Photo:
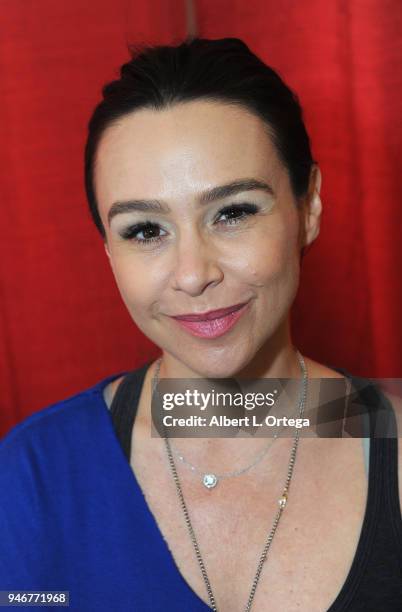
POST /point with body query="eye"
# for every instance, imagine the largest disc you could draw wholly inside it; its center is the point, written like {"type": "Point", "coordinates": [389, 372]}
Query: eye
{"type": "Point", "coordinates": [148, 229]}
{"type": "Point", "coordinates": [238, 212]}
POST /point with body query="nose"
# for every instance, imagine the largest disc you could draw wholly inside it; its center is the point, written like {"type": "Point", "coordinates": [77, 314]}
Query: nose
{"type": "Point", "coordinates": [196, 264]}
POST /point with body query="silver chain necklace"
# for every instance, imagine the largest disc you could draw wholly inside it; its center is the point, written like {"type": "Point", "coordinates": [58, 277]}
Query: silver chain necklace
{"type": "Point", "coordinates": [210, 479]}
{"type": "Point", "coordinates": [281, 501]}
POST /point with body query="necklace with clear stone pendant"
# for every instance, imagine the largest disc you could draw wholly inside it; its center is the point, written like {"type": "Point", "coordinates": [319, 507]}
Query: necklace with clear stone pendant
{"type": "Point", "coordinates": [282, 502]}
{"type": "Point", "coordinates": [210, 480]}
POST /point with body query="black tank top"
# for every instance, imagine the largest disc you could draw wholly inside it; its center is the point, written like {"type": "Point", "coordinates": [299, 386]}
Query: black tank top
{"type": "Point", "coordinates": [374, 582]}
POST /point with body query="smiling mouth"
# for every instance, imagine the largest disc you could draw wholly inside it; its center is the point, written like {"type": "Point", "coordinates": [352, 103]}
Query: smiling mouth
{"type": "Point", "coordinates": [210, 314]}
{"type": "Point", "coordinates": [213, 327]}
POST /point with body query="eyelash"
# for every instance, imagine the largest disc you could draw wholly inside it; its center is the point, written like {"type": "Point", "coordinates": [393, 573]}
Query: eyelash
{"type": "Point", "coordinates": [130, 232]}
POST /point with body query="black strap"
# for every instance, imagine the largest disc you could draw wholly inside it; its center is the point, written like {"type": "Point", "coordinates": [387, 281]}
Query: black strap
{"type": "Point", "coordinates": [379, 415]}
{"type": "Point", "coordinates": [376, 411]}
{"type": "Point", "coordinates": [383, 495]}
{"type": "Point", "coordinates": [124, 406]}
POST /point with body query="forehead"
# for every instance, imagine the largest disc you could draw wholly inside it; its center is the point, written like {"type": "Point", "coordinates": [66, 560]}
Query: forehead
{"type": "Point", "coordinates": [180, 150]}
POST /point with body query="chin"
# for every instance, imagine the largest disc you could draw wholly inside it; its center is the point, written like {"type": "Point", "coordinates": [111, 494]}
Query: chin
{"type": "Point", "coordinates": [221, 366]}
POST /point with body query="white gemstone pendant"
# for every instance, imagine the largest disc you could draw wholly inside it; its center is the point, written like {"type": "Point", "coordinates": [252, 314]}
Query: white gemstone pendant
{"type": "Point", "coordinates": [210, 481]}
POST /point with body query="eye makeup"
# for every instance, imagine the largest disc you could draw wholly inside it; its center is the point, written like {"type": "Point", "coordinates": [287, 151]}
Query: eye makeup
{"type": "Point", "coordinates": [235, 214]}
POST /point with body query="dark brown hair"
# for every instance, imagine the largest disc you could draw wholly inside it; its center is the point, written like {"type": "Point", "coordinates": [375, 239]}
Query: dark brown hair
{"type": "Point", "coordinates": [226, 70]}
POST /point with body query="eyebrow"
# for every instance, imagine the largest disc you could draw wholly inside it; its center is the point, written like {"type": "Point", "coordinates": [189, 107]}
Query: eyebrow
{"type": "Point", "coordinates": [206, 197]}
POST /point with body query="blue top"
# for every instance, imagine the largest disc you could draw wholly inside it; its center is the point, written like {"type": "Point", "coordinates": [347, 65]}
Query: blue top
{"type": "Point", "coordinates": [73, 518]}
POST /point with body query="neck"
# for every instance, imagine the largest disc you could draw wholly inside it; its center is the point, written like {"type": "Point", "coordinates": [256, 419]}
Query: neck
{"type": "Point", "coordinates": [276, 359]}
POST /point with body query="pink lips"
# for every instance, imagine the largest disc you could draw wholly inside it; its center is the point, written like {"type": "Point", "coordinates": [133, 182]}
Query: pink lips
{"type": "Point", "coordinates": [212, 324]}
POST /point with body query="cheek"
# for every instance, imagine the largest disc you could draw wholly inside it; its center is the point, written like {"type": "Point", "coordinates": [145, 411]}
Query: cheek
{"type": "Point", "coordinates": [138, 284]}
{"type": "Point", "coordinates": [273, 257]}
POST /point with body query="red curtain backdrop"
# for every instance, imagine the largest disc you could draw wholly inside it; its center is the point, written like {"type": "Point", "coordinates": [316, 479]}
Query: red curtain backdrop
{"type": "Point", "coordinates": [63, 325]}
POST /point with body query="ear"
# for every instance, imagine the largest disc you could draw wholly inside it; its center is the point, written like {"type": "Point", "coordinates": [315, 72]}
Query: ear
{"type": "Point", "coordinates": [312, 208]}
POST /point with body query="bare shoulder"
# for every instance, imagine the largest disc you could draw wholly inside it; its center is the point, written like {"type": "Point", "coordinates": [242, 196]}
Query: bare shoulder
{"type": "Point", "coordinates": [319, 370]}
{"type": "Point", "coordinates": [110, 390]}
{"type": "Point", "coordinates": [396, 402]}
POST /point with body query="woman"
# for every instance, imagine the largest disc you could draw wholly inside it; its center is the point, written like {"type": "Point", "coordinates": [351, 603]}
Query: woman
{"type": "Point", "coordinates": [200, 179]}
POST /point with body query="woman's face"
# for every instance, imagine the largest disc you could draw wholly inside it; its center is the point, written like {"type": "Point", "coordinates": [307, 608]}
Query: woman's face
{"type": "Point", "coordinates": [202, 247]}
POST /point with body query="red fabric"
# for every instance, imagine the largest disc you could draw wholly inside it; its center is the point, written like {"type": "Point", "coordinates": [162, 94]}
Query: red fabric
{"type": "Point", "coordinates": [62, 323]}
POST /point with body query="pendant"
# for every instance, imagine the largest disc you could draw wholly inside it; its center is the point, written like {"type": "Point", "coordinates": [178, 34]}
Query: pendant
{"type": "Point", "coordinates": [210, 481]}
{"type": "Point", "coordinates": [282, 500]}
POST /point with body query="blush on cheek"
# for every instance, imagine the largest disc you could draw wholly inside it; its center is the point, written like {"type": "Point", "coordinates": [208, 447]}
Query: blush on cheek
{"type": "Point", "coordinates": [277, 273]}
{"type": "Point", "coordinates": [255, 277]}
{"type": "Point", "coordinates": [276, 263]}
{"type": "Point", "coordinates": [133, 292]}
